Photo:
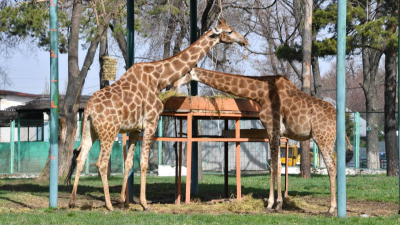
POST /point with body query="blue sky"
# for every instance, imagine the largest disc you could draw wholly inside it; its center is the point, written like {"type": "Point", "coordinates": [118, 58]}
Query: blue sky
{"type": "Point", "coordinates": [30, 70]}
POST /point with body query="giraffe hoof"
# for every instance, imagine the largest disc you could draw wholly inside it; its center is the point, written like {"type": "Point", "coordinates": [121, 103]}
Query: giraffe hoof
{"type": "Point", "coordinates": [109, 207]}
{"type": "Point", "coordinates": [278, 210]}
{"type": "Point", "coordinates": [71, 205]}
{"type": "Point", "coordinates": [330, 214]}
{"type": "Point", "coordinates": [121, 201]}
{"type": "Point", "coordinates": [268, 210]}
{"type": "Point", "coordinates": [147, 209]}
{"type": "Point", "coordinates": [120, 205]}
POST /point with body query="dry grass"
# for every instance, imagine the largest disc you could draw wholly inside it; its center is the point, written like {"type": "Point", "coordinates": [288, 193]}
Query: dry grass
{"type": "Point", "coordinates": [164, 96]}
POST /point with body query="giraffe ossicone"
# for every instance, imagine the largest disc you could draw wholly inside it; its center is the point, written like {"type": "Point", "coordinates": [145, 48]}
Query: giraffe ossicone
{"type": "Point", "coordinates": [131, 105]}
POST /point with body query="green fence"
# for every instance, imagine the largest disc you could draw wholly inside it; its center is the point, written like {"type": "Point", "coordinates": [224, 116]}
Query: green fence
{"type": "Point", "coordinates": [30, 157]}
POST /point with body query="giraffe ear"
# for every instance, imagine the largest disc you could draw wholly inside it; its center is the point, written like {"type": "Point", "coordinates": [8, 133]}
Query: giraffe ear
{"type": "Point", "coordinates": [217, 30]}
{"type": "Point", "coordinates": [222, 22]}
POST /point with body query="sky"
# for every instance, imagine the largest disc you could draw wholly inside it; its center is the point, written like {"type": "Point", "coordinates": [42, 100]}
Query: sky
{"type": "Point", "coordinates": [29, 71]}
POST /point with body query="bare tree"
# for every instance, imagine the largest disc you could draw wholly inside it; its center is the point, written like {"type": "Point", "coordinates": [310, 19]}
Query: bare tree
{"type": "Point", "coordinates": [4, 78]}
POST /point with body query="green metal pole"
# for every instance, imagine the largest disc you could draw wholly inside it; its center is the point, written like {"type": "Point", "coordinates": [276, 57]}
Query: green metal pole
{"type": "Point", "coordinates": [130, 39]}
{"type": "Point", "coordinates": [54, 104]}
{"type": "Point", "coordinates": [315, 152]}
{"type": "Point", "coordinates": [340, 109]}
{"type": "Point", "coordinates": [398, 96]}
{"type": "Point", "coordinates": [19, 143]}
{"type": "Point", "coordinates": [12, 128]}
{"type": "Point", "coordinates": [357, 139]}
{"type": "Point", "coordinates": [160, 142]}
{"type": "Point", "coordinates": [194, 188]}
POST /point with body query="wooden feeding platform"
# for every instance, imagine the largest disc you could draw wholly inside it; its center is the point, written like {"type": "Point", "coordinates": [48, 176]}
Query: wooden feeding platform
{"type": "Point", "coordinates": [190, 108]}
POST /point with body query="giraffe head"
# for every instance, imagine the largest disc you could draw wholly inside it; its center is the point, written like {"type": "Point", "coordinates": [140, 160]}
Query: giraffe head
{"type": "Point", "coordinates": [226, 34]}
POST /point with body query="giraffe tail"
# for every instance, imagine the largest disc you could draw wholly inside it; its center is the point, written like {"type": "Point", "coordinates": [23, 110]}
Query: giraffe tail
{"type": "Point", "coordinates": [75, 154]}
{"type": "Point", "coordinates": [72, 166]}
{"type": "Point", "coordinates": [349, 152]}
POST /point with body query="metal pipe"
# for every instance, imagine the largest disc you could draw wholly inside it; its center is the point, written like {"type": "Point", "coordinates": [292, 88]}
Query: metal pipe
{"type": "Point", "coordinates": [12, 146]}
{"type": "Point", "coordinates": [315, 153]}
{"type": "Point", "coordinates": [357, 140]}
{"type": "Point", "coordinates": [130, 39]}
{"type": "Point", "coordinates": [19, 143]}
{"type": "Point", "coordinates": [398, 96]}
{"type": "Point", "coordinates": [194, 92]}
{"type": "Point", "coordinates": [160, 121]}
{"type": "Point", "coordinates": [340, 108]}
{"type": "Point", "coordinates": [53, 193]}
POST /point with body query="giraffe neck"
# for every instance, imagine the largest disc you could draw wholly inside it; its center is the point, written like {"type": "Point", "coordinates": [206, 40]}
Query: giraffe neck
{"type": "Point", "coordinates": [178, 65]}
{"type": "Point", "coordinates": [241, 86]}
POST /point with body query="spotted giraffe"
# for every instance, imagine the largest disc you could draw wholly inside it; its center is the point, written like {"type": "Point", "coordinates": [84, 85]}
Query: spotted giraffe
{"type": "Point", "coordinates": [131, 105]}
{"type": "Point", "coordinates": [285, 111]}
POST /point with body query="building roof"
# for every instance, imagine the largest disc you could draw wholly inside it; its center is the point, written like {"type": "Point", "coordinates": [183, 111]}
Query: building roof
{"type": "Point", "coordinates": [21, 94]}
{"type": "Point", "coordinates": [6, 117]}
{"type": "Point", "coordinates": [43, 104]}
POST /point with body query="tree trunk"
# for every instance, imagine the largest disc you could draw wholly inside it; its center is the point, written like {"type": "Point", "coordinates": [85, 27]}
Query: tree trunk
{"type": "Point", "coordinates": [372, 134]}
{"type": "Point", "coordinates": [120, 38]}
{"type": "Point", "coordinates": [305, 160]}
{"type": "Point", "coordinates": [76, 80]}
{"type": "Point", "coordinates": [316, 74]}
{"type": "Point", "coordinates": [371, 60]}
{"type": "Point", "coordinates": [391, 141]}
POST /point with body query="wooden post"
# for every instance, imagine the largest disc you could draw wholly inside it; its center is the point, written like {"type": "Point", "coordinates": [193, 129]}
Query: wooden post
{"type": "Point", "coordinates": [226, 154]}
{"type": "Point", "coordinates": [178, 197]}
{"type": "Point", "coordinates": [238, 181]}
{"type": "Point", "coordinates": [287, 169]}
{"type": "Point", "coordinates": [124, 150]}
{"type": "Point", "coordinates": [189, 156]}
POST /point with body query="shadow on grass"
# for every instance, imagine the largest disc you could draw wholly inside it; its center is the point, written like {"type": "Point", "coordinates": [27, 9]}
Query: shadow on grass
{"type": "Point", "coordinates": [161, 191]}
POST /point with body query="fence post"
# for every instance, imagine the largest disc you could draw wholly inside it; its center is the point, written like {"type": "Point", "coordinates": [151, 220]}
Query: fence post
{"type": "Point", "coordinates": [160, 121]}
{"type": "Point", "coordinates": [356, 140]}
{"type": "Point", "coordinates": [315, 152]}
{"type": "Point", "coordinates": [340, 107]}
{"type": "Point", "coordinates": [12, 146]}
{"type": "Point", "coordinates": [19, 143]}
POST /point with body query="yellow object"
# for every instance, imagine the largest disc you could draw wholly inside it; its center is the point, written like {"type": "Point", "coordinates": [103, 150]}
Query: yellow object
{"type": "Point", "coordinates": [294, 155]}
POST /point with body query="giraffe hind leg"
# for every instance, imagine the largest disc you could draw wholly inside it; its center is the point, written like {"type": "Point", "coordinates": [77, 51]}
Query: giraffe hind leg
{"type": "Point", "coordinates": [72, 166]}
{"type": "Point", "coordinates": [79, 159]}
{"type": "Point", "coordinates": [144, 163]}
{"type": "Point", "coordinates": [102, 165]}
{"type": "Point", "coordinates": [326, 151]}
{"type": "Point", "coordinates": [133, 137]}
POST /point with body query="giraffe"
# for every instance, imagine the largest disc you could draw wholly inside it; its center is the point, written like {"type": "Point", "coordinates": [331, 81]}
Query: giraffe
{"type": "Point", "coordinates": [285, 111]}
{"type": "Point", "coordinates": [131, 105]}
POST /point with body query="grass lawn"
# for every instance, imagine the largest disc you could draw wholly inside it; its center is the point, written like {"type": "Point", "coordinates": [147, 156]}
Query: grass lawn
{"type": "Point", "coordinates": [372, 199]}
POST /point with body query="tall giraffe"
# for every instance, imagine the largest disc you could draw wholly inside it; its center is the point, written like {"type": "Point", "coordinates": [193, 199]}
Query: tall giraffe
{"type": "Point", "coordinates": [131, 105]}
{"type": "Point", "coordinates": [285, 111]}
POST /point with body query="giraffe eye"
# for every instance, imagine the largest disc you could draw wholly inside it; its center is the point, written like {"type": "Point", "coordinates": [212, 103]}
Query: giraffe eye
{"type": "Point", "coordinates": [229, 32]}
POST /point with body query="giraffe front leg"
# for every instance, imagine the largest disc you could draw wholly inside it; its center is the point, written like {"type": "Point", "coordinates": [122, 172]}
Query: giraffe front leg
{"type": "Point", "coordinates": [144, 163]}
{"type": "Point", "coordinates": [133, 137]}
{"type": "Point", "coordinates": [272, 187]}
{"type": "Point", "coordinates": [276, 145]}
{"type": "Point", "coordinates": [331, 166]}
{"type": "Point", "coordinates": [275, 161]}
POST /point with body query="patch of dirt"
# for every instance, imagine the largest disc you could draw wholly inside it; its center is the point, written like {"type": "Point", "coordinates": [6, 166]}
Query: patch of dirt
{"type": "Point", "coordinates": [302, 205]}
{"type": "Point", "coordinates": [27, 196]}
